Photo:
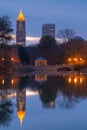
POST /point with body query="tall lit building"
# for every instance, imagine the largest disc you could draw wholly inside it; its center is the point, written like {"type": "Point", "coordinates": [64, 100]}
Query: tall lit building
{"type": "Point", "coordinates": [20, 29]}
{"type": "Point", "coordinates": [48, 29]}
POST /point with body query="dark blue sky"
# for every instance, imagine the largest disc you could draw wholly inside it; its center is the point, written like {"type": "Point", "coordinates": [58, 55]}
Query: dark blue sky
{"type": "Point", "coordinates": [64, 13]}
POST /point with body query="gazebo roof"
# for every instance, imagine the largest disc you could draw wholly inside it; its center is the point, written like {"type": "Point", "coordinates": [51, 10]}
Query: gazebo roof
{"type": "Point", "coordinates": [40, 58]}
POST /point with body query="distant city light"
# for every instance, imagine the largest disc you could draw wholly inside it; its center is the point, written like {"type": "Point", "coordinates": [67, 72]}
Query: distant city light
{"type": "Point", "coordinates": [12, 81]}
{"type": "Point", "coordinates": [81, 80]}
{"type": "Point", "coordinates": [75, 80]}
{"type": "Point", "coordinates": [70, 80]}
{"type": "Point", "coordinates": [3, 81]}
{"type": "Point", "coordinates": [3, 59]}
{"type": "Point", "coordinates": [81, 59]}
{"type": "Point", "coordinates": [12, 59]}
{"type": "Point", "coordinates": [69, 59]}
{"type": "Point", "coordinates": [75, 59]}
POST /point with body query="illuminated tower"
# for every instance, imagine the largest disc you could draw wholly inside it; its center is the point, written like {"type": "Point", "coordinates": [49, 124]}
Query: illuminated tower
{"type": "Point", "coordinates": [20, 29]}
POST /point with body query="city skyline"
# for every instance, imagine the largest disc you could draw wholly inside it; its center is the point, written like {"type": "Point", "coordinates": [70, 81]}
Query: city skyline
{"type": "Point", "coordinates": [64, 14]}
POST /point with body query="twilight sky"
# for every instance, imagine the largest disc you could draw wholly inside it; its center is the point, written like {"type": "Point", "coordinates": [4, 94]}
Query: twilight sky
{"type": "Point", "coordinates": [64, 13]}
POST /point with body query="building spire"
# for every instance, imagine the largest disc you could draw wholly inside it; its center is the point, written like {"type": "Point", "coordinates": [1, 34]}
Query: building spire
{"type": "Point", "coordinates": [21, 115]}
{"type": "Point", "coordinates": [20, 16]}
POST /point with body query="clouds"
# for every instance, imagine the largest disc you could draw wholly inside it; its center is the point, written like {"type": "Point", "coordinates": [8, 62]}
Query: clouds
{"type": "Point", "coordinates": [34, 40]}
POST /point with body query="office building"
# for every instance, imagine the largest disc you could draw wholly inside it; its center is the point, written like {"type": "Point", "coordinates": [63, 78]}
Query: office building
{"type": "Point", "coordinates": [20, 29]}
{"type": "Point", "coordinates": [48, 29]}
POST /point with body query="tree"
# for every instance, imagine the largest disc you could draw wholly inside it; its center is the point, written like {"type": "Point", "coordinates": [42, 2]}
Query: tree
{"type": "Point", "coordinates": [47, 48]}
{"type": "Point", "coordinates": [6, 111]}
{"type": "Point", "coordinates": [47, 42]}
{"type": "Point", "coordinates": [23, 55]}
{"type": "Point", "coordinates": [5, 29]}
{"type": "Point", "coordinates": [66, 34]}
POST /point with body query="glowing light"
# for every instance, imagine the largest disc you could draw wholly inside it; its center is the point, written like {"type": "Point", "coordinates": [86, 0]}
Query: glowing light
{"type": "Point", "coordinates": [75, 59]}
{"type": "Point", "coordinates": [21, 115]}
{"type": "Point", "coordinates": [70, 80]}
{"type": "Point", "coordinates": [75, 80]}
{"type": "Point", "coordinates": [81, 80]}
{"type": "Point", "coordinates": [12, 59]}
{"type": "Point", "coordinates": [21, 16]}
{"type": "Point", "coordinates": [69, 59]}
{"type": "Point", "coordinates": [3, 59]}
{"type": "Point", "coordinates": [3, 81]}
{"type": "Point", "coordinates": [12, 81]}
{"type": "Point", "coordinates": [81, 59]}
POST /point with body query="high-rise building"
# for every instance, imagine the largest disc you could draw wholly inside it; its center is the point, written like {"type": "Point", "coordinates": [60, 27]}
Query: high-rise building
{"type": "Point", "coordinates": [20, 29]}
{"type": "Point", "coordinates": [48, 29]}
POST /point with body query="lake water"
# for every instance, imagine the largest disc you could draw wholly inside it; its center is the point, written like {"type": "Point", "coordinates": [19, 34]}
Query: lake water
{"type": "Point", "coordinates": [43, 102]}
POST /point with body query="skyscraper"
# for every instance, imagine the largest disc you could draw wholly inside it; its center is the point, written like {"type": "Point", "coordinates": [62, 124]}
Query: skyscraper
{"type": "Point", "coordinates": [48, 29]}
{"type": "Point", "coordinates": [20, 29]}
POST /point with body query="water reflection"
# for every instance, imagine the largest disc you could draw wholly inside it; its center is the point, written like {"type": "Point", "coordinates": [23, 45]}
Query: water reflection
{"type": "Point", "coordinates": [76, 79]}
{"type": "Point", "coordinates": [63, 91]}
{"type": "Point", "coordinates": [40, 78]}
{"type": "Point", "coordinates": [21, 104]}
{"type": "Point", "coordinates": [6, 110]}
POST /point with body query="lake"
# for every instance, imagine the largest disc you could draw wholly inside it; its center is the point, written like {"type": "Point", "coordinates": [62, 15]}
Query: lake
{"type": "Point", "coordinates": [43, 102]}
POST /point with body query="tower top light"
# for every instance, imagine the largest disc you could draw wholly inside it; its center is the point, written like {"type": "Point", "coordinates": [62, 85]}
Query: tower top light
{"type": "Point", "coordinates": [20, 16]}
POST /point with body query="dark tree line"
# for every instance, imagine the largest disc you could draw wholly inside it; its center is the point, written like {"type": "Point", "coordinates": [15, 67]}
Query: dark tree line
{"type": "Point", "coordinates": [57, 53]}
{"type": "Point", "coordinates": [23, 55]}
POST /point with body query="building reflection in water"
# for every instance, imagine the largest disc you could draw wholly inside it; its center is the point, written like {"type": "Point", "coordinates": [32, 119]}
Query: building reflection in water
{"type": "Point", "coordinates": [21, 104]}
{"type": "Point", "coordinates": [47, 101]}
{"type": "Point", "coordinates": [64, 90]}
{"type": "Point", "coordinates": [50, 104]}
{"type": "Point", "coordinates": [47, 97]}
{"type": "Point", "coordinates": [41, 78]}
